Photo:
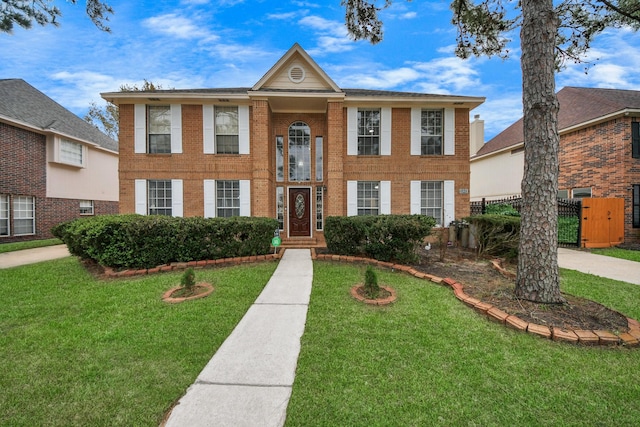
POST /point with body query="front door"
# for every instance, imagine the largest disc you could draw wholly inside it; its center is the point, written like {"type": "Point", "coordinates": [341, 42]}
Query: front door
{"type": "Point", "coordinates": [299, 212]}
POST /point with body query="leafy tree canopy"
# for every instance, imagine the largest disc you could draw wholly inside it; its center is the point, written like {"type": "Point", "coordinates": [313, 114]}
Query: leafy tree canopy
{"type": "Point", "coordinates": [44, 12]}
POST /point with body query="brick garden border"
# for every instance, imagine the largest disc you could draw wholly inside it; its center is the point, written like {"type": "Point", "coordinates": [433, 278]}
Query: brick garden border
{"type": "Point", "coordinates": [583, 337]}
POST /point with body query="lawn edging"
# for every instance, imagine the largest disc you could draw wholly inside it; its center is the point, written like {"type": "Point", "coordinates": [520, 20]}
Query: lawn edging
{"type": "Point", "coordinates": [583, 337]}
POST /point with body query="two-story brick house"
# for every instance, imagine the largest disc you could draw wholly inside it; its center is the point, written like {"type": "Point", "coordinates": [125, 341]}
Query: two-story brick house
{"type": "Point", "coordinates": [295, 147]}
{"type": "Point", "coordinates": [54, 166]}
{"type": "Point", "coordinates": [599, 153]}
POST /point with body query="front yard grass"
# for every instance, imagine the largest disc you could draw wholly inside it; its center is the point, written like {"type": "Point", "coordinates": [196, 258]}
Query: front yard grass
{"type": "Point", "coordinates": [77, 351]}
{"type": "Point", "coordinates": [430, 360]}
{"type": "Point", "coordinates": [18, 246]}
{"type": "Point", "coordinates": [618, 253]}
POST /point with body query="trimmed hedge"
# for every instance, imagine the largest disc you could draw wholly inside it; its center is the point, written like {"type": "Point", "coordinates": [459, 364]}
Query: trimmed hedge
{"type": "Point", "coordinates": [496, 235]}
{"type": "Point", "coordinates": [382, 237]}
{"type": "Point", "coordinates": [137, 241]}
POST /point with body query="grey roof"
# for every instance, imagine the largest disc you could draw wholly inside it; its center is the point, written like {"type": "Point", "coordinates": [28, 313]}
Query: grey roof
{"type": "Point", "coordinates": [22, 102]}
{"type": "Point", "coordinates": [578, 105]}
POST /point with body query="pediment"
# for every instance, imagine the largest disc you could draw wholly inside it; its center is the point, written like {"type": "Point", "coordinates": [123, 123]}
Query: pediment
{"type": "Point", "coordinates": [296, 71]}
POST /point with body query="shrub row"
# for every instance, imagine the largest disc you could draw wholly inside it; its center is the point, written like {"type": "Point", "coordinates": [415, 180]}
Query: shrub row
{"type": "Point", "coordinates": [136, 241]}
{"type": "Point", "coordinates": [496, 235]}
{"type": "Point", "coordinates": [382, 237]}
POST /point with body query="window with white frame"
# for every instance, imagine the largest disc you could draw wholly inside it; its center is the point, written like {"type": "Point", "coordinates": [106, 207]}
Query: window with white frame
{"type": "Point", "coordinates": [299, 152]}
{"type": "Point", "coordinates": [319, 159]}
{"type": "Point", "coordinates": [432, 132]}
{"type": "Point", "coordinates": [159, 200]}
{"type": "Point", "coordinates": [368, 131]}
{"type": "Point", "coordinates": [431, 200]}
{"type": "Point", "coordinates": [24, 215]}
{"type": "Point", "coordinates": [4, 215]}
{"type": "Point", "coordinates": [227, 198]}
{"type": "Point", "coordinates": [226, 130]}
{"type": "Point", "coordinates": [319, 207]}
{"type": "Point", "coordinates": [159, 129]}
{"type": "Point", "coordinates": [279, 158]}
{"type": "Point", "coordinates": [280, 207]}
{"type": "Point", "coordinates": [368, 197]}
{"type": "Point", "coordinates": [71, 153]}
{"type": "Point", "coordinates": [86, 207]}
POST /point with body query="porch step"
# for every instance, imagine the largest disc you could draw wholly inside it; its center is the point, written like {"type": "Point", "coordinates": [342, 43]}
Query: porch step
{"type": "Point", "coordinates": [302, 243]}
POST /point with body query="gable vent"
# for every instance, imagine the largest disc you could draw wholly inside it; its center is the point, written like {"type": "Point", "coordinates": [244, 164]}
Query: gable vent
{"type": "Point", "coordinates": [296, 74]}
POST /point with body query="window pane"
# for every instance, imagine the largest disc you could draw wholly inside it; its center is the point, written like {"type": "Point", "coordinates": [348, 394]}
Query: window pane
{"type": "Point", "coordinates": [159, 128]}
{"type": "Point", "coordinates": [636, 206]}
{"type": "Point", "coordinates": [228, 198]}
{"type": "Point", "coordinates": [578, 193]}
{"type": "Point", "coordinates": [159, 197]}
{"type": "Point", "coordinates": [299, 152]}
{"type": "Point", "coordinates": [279, 158]}
{"type": "Point", "coordinates": [86, 207]}
{"type": "Point", "coordinates": [368, 197]}
{"type": "Point", "coordinates": [70, 152]}
{"type": "Point", "coordinates": [431, 132]}
{"type": "Point", "coordinates": [368, 132]}
{"type": "Point", "coordinates": [319, 208]}
{"type": "Point", "coordinates": [23, 215]}
{"type": "Point", "coordinates": [319, 154]}
{"type": "Point", "coordinates": [280, 207]}
{"type": "Point", "coordinates": [226, 122]}
{"type": "Point", "coordinates": [432, 200]}
{"type": "Point", "coordinates": [4, 215]}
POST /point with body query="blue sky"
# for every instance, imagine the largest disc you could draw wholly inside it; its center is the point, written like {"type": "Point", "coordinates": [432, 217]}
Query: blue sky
{"type": "Point", "coordinates": [231, 43]}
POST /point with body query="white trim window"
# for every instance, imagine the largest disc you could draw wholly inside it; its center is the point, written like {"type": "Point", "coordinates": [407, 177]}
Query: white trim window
{"type": "Point", "coordinates": [280, 207]}
{"type": "Point", "coordinates": [86, 207]}
{"type": "Point", "coordinates": [158, 129]}
{"type": "Point", "coordinates": [5, 229]}
{"type": "Point", "coordinates": [368, 132]}
{"type": "Point", "coordinates": [299, 151]}
{"type": "Point", "coordinates": [227, 139]}
{"type": "Point", "coordinates": [71, 153]}
{"type": "Point", "coordinates": [368, 198]}
{"type": "Point", "coordinates": [435, 199]}
{"type": "Point", "coordinates": [24, 220]}
{"type": "Point", "coordinates": [319, 207]}
{"type": "Point", "coordinates": [227, 198]}
{"type": "Point", "coordinates": [433, 131]}
{"type": "Point", "coordinates": [159, 197]}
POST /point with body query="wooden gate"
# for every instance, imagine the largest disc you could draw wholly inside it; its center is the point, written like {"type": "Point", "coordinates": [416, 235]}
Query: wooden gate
{"type": "Point", "coordinates": [602, 224]}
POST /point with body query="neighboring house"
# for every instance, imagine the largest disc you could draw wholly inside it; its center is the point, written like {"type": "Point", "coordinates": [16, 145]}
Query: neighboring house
{"type": "Point", "coordinates": [599, 153]}
{"type": "Point", "coordinates": [294, 147]}
{"type": "Point", "coordinates": [54, 166]}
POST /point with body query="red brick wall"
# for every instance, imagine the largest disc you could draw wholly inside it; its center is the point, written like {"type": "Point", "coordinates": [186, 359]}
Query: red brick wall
{"type": "Point", "coordinates": [193, 167]}
{"type": "Point", "coordinates": [600, 157]}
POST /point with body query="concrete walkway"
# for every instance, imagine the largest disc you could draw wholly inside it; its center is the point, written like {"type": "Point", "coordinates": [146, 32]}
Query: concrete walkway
{"type": "Point", "coordinates": [30, 256]}
{"type": "Point", "coordinates": [599, 265]}
{"type": "Point", "coordinates": [248, 381]}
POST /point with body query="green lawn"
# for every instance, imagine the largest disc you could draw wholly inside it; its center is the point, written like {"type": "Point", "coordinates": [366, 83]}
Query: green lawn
{"type": "Point", "coordinates": [17, 246]}
{"type": "Point", "coordinates": [430, 360]}
{"type": "Point", "coordinates": [76, 351]}
{"type": "Point", "coordinates": [618, 253]}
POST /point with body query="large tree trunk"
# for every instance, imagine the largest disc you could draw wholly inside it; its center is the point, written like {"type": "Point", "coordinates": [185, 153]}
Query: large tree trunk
{"type": "Point", "coordinates": [537, 278]}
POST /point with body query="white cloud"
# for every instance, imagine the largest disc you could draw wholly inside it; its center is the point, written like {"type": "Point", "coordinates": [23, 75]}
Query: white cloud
{"type": "Point", "coordinates": [305, 4]}
{"type": "Point", "coordinates": [195, 2]}
{"type": "Point", "coordinates": [282, 16]}
{"type": "Point", "coordinates": [408, 15]}
{"type": "Point", "coordinates": [332, 35]}
{"type": "Point", "coordinates": [499, 111]}
{"type": "Point", "coordinates": [450, 74]}
{"type": "Point", "coordinates": [177, 26]}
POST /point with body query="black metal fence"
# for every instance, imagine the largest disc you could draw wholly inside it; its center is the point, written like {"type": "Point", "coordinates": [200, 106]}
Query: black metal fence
{"type": "Point", "coordinates": [569, 212]}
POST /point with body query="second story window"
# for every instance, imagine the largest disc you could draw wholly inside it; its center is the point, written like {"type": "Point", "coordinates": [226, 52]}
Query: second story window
{"type": "Point", "coordinates": [368, 132]}
{"type": "Point", "coordinates": [159, 128]}
{"type": "Point", "coordinates": [431, 132]}
{"type": "Point", "coordinates": [226, 125]}
{"type": "Point", "coordinates": [71, 153]}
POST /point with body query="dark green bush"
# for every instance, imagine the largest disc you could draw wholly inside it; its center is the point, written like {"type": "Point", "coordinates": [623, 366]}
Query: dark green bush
{"type": "Point", "coordinates": [496, 235]}
{"type": "Point", "coordinates": [382, 237]}
{"type": "Point", "coordinates": [371, 287]}
{"type": "Point", "coordinates": [501, 209]}
{"type": "Point", "coordinates": [136, 241]}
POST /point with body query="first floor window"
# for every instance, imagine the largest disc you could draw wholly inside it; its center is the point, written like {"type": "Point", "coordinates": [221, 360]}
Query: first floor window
{"type": "Point", "coordinates": [636, 206]}
{"type": "Point", "coordinates": [4, 215]}
{"type": "Point", "coordinates": [227, 198]}
{"type": "Point", "coordinates": [159, 197]}
{"type": "Point", "coordinates": [280, 207]}
{"type": "Point", "coordinates": [563, 194]}
{"type": "Point", "coordinates": [24, 215]}
{"type": "Point", "coordinates": [368, 197]}
{"type": "Point", "coordinates": [319, 207]}
{"type": "Point", "coordinates": [579, 193]}
{"type": "Point", "coordinates": [86, 207]}
{"type": "Point", "coordinates": [431, 200]}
